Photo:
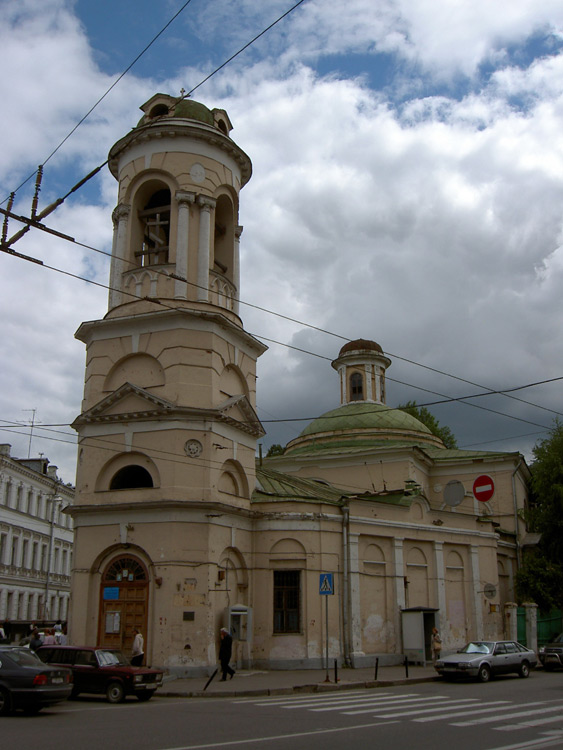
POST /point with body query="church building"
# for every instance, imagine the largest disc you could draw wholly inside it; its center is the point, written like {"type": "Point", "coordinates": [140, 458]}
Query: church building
{"type": "Point", "coordinates": [364, 531]}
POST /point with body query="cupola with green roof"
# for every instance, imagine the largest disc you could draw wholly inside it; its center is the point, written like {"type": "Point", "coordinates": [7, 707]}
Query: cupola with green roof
{"type": "Point", "coordinates": [363, 420]}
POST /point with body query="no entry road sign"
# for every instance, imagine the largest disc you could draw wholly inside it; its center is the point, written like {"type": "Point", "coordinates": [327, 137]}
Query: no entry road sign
{"type": "Point", "coordinates": [483, 488]}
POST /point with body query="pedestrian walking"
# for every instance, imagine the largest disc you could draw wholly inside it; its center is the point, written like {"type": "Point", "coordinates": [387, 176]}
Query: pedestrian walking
{"type": "Point", "coordinates": [35, 641]}
{"type": "Point", "coordinates": [225, 652]}
{"type": "Point", "coordinates": [49, 639]}
{"type": "Point", "coordinates": [436, 644]}
{"type": "Point", "coordinates": [137, 652]}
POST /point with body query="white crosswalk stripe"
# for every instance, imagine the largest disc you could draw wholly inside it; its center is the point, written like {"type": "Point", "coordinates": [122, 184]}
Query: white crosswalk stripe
{"type": "Point", "coordinates": [506, 715]}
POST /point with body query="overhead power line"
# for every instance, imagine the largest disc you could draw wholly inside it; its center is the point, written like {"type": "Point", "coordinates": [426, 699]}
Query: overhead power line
{"type": "Point", "coordinates": [446, 398]}
{"type": "Point", "coordinates": [137, 58]}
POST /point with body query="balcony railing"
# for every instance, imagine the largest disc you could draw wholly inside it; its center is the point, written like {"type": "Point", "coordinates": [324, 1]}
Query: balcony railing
{"type": "Point", "coordinates": [221, 291]}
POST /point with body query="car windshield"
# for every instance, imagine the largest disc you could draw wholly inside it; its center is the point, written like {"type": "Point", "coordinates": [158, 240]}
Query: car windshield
{"type": "Point", "coordinates": [558, 638]}
{"type": "Point", "coordinates": [478, 647]}
{"type": "Point", "coordinates": [110, 658]}
{"type": "Point", "coordinates": [24, 657]}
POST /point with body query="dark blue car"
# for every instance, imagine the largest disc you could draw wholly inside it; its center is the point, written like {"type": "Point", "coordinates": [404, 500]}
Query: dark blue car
{"type": "Point", "coordinates": [29, 684]}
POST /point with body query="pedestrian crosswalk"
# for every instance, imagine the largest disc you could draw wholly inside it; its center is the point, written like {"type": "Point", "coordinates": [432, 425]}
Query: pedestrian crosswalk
{"type": "Point", "coordinates": [500, 715]}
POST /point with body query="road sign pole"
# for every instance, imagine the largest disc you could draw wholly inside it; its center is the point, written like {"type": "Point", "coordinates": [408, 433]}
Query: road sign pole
{"type": "Point", "coordinates": [327, 679]}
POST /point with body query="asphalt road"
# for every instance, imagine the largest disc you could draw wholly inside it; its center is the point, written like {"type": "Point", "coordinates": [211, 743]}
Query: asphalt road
{"type": "Point", "coordinates": [508, 713]}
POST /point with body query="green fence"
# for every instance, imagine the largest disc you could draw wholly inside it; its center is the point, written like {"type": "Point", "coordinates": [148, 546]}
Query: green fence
{"type": "Point", "coordinates": [549, 625]}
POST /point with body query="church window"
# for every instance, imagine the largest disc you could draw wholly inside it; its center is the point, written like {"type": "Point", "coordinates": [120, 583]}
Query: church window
{"type": "Point", "coordinates": [155, 220]}
{"type": "Point", "coordinates": [287, 601]}
{"type": "Point", "coordinates": [356, 387]}
{"type": "Point", "coordinates": [131, 477]}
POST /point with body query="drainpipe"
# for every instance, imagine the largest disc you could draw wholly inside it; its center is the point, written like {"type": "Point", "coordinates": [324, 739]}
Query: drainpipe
{"type": "Point", "coordinates": [518, 550]}
{"type": "Point", "coordinates": [345, 583]}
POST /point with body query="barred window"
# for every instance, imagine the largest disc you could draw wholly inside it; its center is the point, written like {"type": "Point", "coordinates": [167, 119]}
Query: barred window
{"type": "Point", "coordinates": [287, 601]}
{"type": "Point", "coordinates": [356, 387]}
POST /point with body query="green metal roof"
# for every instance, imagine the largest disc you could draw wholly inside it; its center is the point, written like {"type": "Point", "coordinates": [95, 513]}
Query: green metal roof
{"type": "Point", "coordinates": [365, 415]}
{"type": "Point", "coordinates": [274, 485]}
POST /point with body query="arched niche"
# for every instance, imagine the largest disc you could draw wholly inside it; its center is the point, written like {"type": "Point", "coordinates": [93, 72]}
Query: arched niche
{"type": "Point", "coordinates": [233, 480]}
{"type": "Point", "coordinates": [232, 382]}
{"type": "Point", "coordinates": [134, 469]}
{"type": "Point", "coordinates": [139, 369]}
{"type": "Point", "coordinates": [288, 549]}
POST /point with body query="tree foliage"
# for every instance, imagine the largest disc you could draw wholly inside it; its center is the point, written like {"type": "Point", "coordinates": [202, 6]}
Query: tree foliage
{"type": "Point", "coordinates": [429, 420]}
{"type": "Point", "coordinates": [275, 450]}
{"type": "Point", "coordinates": [540, 577]}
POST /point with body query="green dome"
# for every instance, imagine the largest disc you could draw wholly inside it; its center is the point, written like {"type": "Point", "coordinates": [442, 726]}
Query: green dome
{"type": "Point", "coordinates": [356, 425]}
{"type": "Point", "coordinates": [363, 415]}
{"type": "Point", "coordinates": [167, 106]}
{"type": "Point", "coordinates": [191, 110]}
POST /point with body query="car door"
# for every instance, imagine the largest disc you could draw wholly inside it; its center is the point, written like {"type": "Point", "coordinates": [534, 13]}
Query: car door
{"type": "Point", "coordinates": [514, 657]}
{"type": "Point", "coordinates": [86, 672]}
{"type": "Point", "coordinates": [499, 661]}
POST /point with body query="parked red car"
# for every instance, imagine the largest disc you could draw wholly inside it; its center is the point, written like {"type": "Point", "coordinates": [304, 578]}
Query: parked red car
{"type": "Point", "coordinates": [103, 670]}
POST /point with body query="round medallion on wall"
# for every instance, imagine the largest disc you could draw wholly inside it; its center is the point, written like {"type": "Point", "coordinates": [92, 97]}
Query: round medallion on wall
{"type": "Point", "coordinates": [197, 173]}
{"type": "Point", "coordinates": [193, 448]}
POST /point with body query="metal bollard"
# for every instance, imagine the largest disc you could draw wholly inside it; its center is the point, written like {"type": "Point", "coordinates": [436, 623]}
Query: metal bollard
{"type": "Point", "coordinates": [406, 666]}
{"type": "Point", "coordinates": [376, 668]}
{"type": "Point", "coordinates": [335, 671]}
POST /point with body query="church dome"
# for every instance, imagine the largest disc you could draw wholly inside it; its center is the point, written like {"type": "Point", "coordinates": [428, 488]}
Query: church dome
{"type": "Point", "coordinates": [363, 345]}
{"type": "Point", "coordinates": [360, 425]}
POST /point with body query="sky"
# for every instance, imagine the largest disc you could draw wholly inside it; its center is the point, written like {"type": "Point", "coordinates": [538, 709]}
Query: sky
{"type": "Point", "coordinates": [407, 188]}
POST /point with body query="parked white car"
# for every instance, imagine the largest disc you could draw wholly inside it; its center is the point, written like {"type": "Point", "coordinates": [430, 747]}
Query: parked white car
{"type": "Point", "coordinates": [484, 659]}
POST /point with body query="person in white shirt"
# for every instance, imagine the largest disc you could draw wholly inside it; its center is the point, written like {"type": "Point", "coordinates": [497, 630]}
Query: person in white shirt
{"type": "Point", "coordinates": [137, 651]}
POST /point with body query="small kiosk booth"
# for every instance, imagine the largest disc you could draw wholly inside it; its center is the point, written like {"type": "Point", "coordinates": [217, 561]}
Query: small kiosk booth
{"type": "Point", "coordinates": [417, 624]}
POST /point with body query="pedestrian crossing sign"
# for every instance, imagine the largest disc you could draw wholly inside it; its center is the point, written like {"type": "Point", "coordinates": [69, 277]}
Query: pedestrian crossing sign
{"type": "Point", "coordinates": [326, 584]}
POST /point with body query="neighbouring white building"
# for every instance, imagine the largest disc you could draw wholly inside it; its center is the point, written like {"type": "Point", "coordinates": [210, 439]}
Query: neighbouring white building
{"type": "Point", "coordinates": [36, 539]}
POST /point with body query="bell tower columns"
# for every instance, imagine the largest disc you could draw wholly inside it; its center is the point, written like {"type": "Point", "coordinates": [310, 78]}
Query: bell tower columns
{"type": "Point", "coordinates": [168, 427]}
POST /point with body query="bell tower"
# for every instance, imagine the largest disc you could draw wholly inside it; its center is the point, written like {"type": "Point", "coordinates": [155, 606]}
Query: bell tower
{"type": "Point", "coordinates": [168, 428]}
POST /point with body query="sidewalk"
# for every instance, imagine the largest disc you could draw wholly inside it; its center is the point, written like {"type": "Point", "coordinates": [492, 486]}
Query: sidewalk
{"type": "Point", "coordinates": [283, 682]}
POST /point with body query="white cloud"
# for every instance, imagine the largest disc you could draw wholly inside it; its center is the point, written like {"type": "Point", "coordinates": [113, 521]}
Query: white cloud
{"type": "Point", "coordinates": [434, 227]}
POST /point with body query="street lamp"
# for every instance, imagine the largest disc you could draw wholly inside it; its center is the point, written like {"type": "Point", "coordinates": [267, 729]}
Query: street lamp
{"type": "Point", "coordinates": [55, 499]}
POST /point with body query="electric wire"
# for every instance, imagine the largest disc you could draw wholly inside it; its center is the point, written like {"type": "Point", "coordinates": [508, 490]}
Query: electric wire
{"type": "Point", "coordinates": [137, 58]}
{"type": "Point", "coordinates": [445, 398]}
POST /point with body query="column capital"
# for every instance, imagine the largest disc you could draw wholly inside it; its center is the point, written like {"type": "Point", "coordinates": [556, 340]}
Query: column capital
{"type": "Point", "coordinates": [121, 211]}
{"type": "Point", "coordinates": [206, 203]}
{"type": "Point", "coordinates": [184, 196]}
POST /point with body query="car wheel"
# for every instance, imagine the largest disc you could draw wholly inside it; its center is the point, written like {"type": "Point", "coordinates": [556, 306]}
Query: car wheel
{"type": "Point", "coordinates": [5, 702]}
{"type": "Point", "coordinates": [115, 692]}
{"type": "Point", "coordinates": [146, 696]}
{"type": "Point", "coordinates": [484, 674]}
{"type": "Point", "coordinates": [524, 670]}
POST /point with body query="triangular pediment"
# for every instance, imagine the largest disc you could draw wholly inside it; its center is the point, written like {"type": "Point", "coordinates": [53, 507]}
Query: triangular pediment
{"type": "Point", "coordinates": [128, 400]}
{"type": "Point", "coordinates": [131, 402]}
{"type": "Point", "coordinates": [238, 409]}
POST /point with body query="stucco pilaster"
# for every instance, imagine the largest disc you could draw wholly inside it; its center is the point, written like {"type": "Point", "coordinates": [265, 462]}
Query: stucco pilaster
{"type": "Point", "coordinates": [354, 593]}
{"type": "Point", "coordinates": [477, 594]}
{"type": "Point", "coordinates": [531, 610]}
{"type": "Point", "coordinates": [440, 583]}
{"type": "Point", "coordinates": [206, 205]}
{"type": "Point", "coordinates": [236, 270]}
{"type": "Point", "coordinates": [185, 199]}
{"type": "Point", "coordinates": [120, 218]}
{"type": "Point", "coordinates": [399, 587]}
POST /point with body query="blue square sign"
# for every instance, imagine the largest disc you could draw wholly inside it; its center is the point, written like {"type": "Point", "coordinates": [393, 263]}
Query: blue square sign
{"type": "Point", "coordinates": [326, 584]}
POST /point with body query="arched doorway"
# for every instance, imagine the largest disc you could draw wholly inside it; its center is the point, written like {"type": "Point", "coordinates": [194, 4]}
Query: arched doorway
{"type": "Point", "coordinates": [124, 597]}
